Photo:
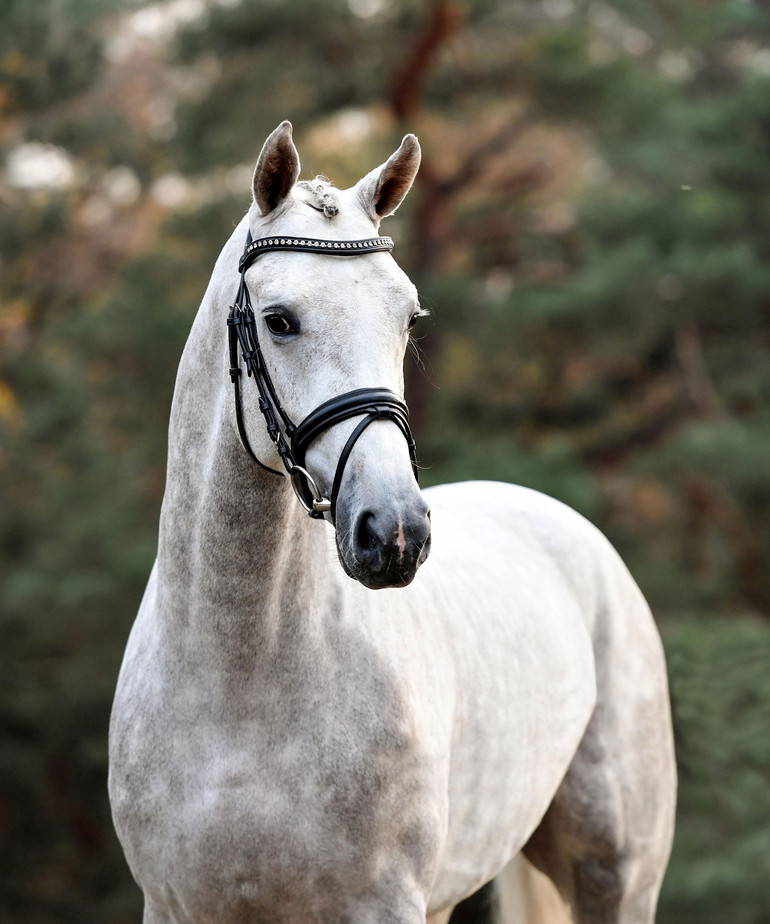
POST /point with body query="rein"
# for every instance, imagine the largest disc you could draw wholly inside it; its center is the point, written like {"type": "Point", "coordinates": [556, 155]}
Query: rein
{"type": "Point", "coordinates": [293, 440]}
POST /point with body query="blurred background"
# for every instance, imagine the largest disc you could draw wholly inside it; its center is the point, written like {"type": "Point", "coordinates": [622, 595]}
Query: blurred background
{"type": "Point", "coordinates": [591, 230]}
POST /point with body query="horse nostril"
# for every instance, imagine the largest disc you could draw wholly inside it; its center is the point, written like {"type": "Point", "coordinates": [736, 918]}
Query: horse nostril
{"type": "Point", "coordinates": [365, 537]}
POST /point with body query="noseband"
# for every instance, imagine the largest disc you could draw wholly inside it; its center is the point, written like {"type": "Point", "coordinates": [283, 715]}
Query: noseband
{"type": "Point", "coordinates": [293, 440]}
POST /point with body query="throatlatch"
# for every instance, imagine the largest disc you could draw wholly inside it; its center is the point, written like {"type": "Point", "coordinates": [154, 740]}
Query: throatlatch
{"type": "Point", "coordinates": [293, 440]}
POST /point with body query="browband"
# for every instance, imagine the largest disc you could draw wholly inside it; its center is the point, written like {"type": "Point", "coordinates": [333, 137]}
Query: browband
{"type": "Point", "coordinates": [313, 245]}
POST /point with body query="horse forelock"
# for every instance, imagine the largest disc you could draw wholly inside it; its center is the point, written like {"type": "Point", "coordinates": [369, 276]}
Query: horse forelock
{"type": "Point", "coordinates": [321, 195]}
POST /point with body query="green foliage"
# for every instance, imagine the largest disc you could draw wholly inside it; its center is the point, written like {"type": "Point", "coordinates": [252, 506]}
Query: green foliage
{"type": "Point", "coordinates": [281, 60]}
{"type": "Point", "coordinates": [720, 689]}
{"type": "Point", "coordinates": [614, 356]}
{"type": "Point", "coordinates": [459, 455]}
{"type": "Point", "coordinates": [48, 51]}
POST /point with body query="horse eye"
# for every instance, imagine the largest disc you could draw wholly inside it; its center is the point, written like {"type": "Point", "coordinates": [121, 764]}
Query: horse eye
{"type": "Point", "coordinates": [413, 320]}
{"type": "Point", "coordinates": [278, 324]}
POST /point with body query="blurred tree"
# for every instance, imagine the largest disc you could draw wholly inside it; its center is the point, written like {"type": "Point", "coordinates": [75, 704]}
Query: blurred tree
{"type": "Point", "coordinates": [636, 326]}
{"type": "Point", "coordinates": [591, 229]}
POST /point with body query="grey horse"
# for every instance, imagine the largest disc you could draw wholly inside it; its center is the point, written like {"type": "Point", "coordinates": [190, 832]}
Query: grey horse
{"type": "Point", "coordinates": [305, 728]}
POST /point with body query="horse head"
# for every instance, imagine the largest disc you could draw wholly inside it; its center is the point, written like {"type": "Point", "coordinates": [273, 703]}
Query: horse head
{"type": "Point", "coordinates": [335, 325]}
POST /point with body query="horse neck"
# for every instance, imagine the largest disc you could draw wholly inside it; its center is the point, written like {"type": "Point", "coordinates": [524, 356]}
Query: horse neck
{"type": "Point", "coordinates": [236, 553]}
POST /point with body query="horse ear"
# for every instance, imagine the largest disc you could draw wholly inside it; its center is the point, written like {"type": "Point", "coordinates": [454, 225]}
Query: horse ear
{"type": "Point", "coordinates": [383, 190]}
{"type": "Point", "coordinates": [277, 169]}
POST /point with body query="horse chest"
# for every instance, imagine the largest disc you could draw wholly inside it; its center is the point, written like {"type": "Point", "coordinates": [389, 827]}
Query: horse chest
{"type": "Point", "coordinates": [328, 785]}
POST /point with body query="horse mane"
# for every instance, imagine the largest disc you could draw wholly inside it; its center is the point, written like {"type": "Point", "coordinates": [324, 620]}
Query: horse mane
{"type": "Point", "coordinates": [323, 195]}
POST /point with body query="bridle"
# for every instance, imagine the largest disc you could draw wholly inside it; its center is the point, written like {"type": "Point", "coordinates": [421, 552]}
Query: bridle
{"type": "Point", "coordinates": [292, 440]}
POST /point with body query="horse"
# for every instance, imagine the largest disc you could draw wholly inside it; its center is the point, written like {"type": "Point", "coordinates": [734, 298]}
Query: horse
{"type": "Point", "coordinates": [305, 728]}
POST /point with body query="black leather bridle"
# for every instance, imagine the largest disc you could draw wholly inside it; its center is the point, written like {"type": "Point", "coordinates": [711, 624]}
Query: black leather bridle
{"type": "Point", "coordinates": [292, 440]}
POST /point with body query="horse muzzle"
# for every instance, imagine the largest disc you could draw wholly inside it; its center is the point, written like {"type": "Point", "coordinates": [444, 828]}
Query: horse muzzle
{"type": "Point", "coordinates": [384, 548]}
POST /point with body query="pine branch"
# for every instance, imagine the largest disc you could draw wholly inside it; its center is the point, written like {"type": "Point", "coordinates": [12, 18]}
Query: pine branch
{"type": "Point", "coordinates": [697, 379]}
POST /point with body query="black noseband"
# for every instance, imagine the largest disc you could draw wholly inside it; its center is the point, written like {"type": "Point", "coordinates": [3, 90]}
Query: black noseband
{"type": "Point", "coordinates": [292, 441]}
{"type": "Point", "coordinates": [375, 404]}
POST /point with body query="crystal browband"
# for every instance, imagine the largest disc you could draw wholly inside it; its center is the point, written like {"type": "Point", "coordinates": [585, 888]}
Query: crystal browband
{"type": "Point", "coordinates": [313, 245]}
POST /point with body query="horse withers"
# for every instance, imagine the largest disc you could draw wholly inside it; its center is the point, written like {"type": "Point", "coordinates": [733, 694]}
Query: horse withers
{"type": "Point", "coordinates": [305, 729]}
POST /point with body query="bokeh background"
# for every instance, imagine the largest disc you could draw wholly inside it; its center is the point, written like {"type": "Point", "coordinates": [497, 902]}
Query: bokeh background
{"type": "Point", "coordinates": [591, 230]}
